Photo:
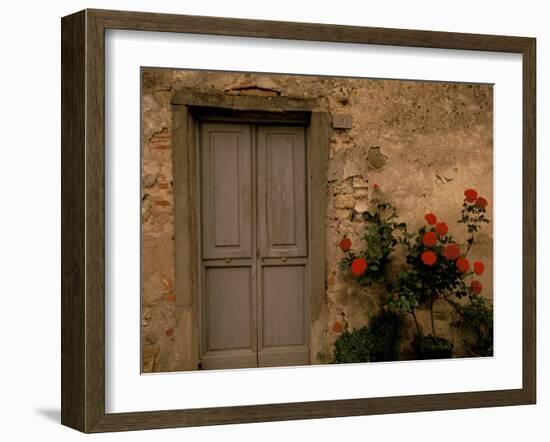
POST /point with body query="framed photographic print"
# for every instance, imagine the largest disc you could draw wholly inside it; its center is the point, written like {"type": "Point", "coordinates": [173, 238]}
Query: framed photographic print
{"type": "Point", "coordinates": [271, 220]}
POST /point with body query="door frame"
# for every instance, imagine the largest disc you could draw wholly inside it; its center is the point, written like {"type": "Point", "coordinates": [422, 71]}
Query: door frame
{"type": "Point", "coordinates": [189, 107]}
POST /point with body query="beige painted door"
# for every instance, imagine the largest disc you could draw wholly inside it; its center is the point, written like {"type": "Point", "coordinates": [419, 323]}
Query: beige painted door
{"type": "Point", "coordinates": [254, 248]}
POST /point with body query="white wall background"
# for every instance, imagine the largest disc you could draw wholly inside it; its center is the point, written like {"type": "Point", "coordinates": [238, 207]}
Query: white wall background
{"type": "Point", "coordinates": [30, 217]}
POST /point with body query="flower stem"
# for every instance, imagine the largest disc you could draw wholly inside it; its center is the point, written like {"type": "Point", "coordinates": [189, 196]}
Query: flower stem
{"type": "Point", "coordinates": [432, 315]}
{"type": "Point", "coordinates": [470, 243]}
{"type": "Point", "coordinates": [418, 328]}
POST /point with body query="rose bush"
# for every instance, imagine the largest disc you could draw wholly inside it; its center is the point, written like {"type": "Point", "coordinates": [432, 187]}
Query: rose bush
{"type": "Point", "coordinates": [435, 268]}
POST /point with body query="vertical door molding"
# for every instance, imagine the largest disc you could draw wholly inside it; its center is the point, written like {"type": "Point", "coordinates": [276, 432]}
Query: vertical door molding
{"type": "Point", "coordinates": [186, 237]}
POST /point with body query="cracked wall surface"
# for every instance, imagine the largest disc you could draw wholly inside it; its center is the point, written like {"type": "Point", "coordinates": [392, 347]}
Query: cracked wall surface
{"type": "Point", "coordinates": [421, 143]}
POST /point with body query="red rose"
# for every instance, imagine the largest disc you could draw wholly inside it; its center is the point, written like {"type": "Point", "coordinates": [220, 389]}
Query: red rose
{"type": "Point", "coordinates": [451, 252]}
{"type": "Point", "coordinates": [476, 287]}
{"type": "Point", "coordinates": [429, 239]}
{"type": "Point", "coordinates": [470, 195]}
{"type": "Point", "coordinates": [442, 228]}
{"type": "Point", "coordinates": [358, 266]}
{"type": "Point", "coordinates": [479, 268]}
{"type": "Point", "coordinates": [428, 257]}
{"type": "Point", "coordinates": [376, 186]}
{"type": "Point", "coordinates": [481, 202]}
{"type": "Point", "coordinates": [345, 244]}
{"type": "Point", "coordinates": [463, 265]}
{"type": "Point", "coordinates": [430, 218]}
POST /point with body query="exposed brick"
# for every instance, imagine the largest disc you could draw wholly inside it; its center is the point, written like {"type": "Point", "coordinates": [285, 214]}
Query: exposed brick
{"type": "Point", "coordinates": [160, 140]}
{"type": "Point", "coordinates": [344, 202]}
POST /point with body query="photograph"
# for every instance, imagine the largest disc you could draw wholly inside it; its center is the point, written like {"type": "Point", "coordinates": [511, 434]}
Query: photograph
{"type": "Point", "coordinates": [295, 220]}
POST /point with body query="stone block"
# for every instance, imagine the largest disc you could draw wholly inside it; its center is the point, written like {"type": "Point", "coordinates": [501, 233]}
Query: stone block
{"type": "Point", "coordinates": [344, 202]}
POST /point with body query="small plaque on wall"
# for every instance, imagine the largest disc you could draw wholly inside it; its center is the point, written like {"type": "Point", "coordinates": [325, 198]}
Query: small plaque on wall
{"type": "Point", "coordinates": [341, 121]}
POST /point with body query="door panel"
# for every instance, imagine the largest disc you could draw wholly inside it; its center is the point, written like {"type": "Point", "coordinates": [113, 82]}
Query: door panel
{"type": "Point", "coordinates": [228, 317]}
{"type": "Point", "coordinates": [226, 190]}
{"type": "Point", "coordinates": [283, 333]}
{"type": "Point", "coordinates": [282, 206]}
{"type": "Point", "coordinates": [283, 305]}
{"type": "Point", "coordinates": [228, 308]}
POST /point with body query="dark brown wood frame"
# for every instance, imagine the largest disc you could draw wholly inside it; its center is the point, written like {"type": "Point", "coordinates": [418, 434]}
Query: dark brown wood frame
{"type": "Point", "coordinates": [83, 212]}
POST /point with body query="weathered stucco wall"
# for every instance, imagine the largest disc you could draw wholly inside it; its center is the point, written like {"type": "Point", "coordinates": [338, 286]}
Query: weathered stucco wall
{"type": "Point", "coordinates": [422, 143]}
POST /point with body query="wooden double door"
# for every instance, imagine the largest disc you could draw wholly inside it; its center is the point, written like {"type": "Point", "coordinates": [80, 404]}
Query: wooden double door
{"type": "Point", "coordinates": [254, 245]}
